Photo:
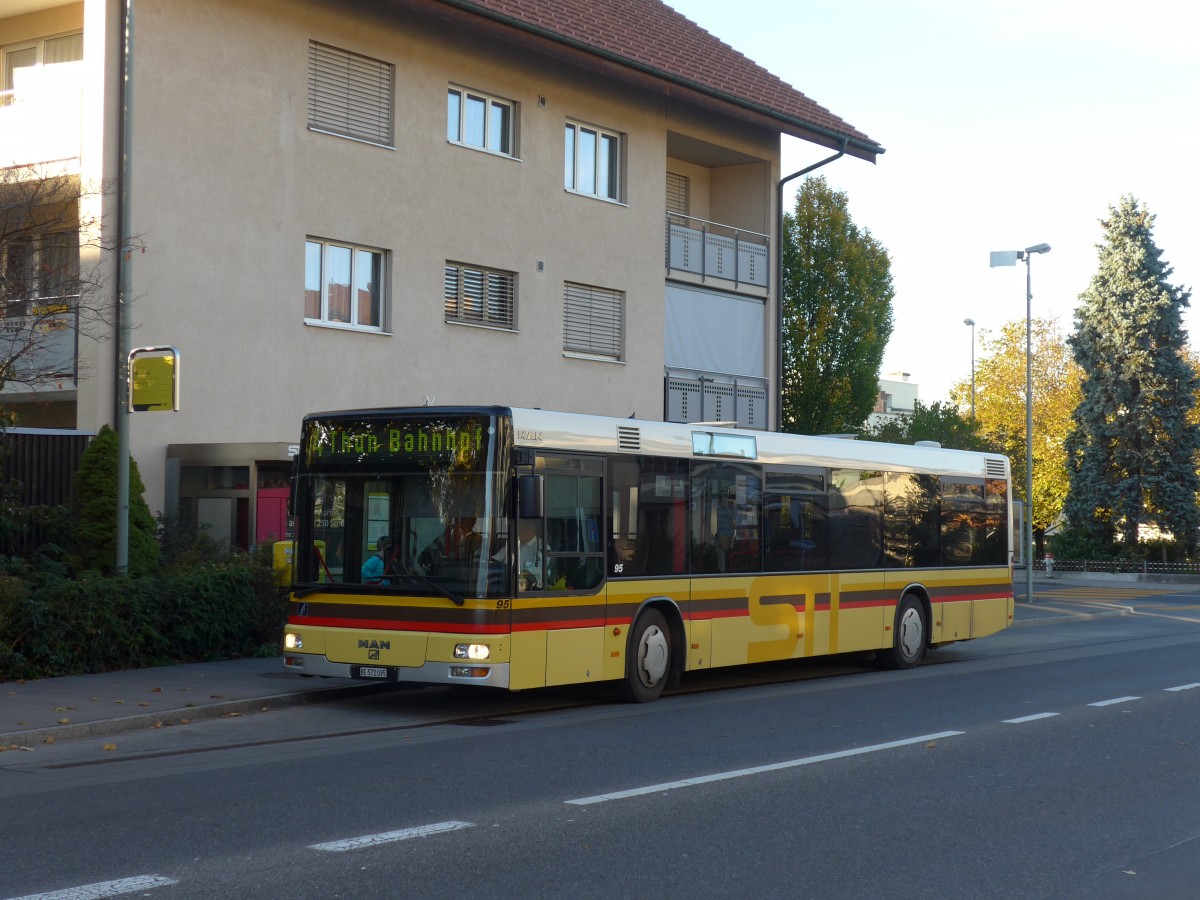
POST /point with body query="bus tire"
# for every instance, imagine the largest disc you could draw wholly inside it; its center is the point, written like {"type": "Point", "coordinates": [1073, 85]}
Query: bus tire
{"type": "Point", "coordinates": [647, 659]}
{"type": "Point", "coordinates": [910, 635]}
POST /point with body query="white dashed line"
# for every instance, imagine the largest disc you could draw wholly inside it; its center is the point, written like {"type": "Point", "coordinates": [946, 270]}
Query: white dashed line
{"type": "Point", "coordinates": [1114, 701]}
{"type": "Point", "coordinates": [1184, 687]}
{"type": "Point", "coordinates": [1032, 718]}
{"type": "Point", "coordinates": [756, 770]}
{"type": "Point", "coordinates": [105, 888]}
{"type": "Point", "coordinates": [388, 837]}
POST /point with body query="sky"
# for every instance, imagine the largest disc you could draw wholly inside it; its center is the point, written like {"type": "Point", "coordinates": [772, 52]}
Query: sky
{"type": "Point", "coordinates": [1006, 125]}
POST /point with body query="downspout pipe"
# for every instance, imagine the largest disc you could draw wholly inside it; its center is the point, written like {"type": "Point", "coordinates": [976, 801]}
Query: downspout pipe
{"type": "Point", "coordinates": [779, 276]}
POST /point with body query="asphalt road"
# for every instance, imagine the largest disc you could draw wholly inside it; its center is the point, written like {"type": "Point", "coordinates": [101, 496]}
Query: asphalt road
{"type": "Point", "coordinates": [1059, 761]}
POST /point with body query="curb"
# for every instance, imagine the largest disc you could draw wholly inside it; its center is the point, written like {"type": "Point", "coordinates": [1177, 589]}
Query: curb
{"type": "Point", "coordinates": [172, 717]}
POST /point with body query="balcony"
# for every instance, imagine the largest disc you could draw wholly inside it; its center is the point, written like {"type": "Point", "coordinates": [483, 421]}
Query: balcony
{"type": "Point", "coordinates": [711, 250]}
{"type": "Point", "coordinates": [39, 340]}
{"type": "Point", "coordinates": [40, 118]}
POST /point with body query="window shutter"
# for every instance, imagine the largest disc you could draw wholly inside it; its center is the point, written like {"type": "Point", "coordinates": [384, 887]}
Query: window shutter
{"type": "Point", "coordinates": [479, 296]}
{"type": "Point", "coordinates": [350, 95]}
{"type": "Point", "coordinates": [593, 320]}
{"type": "Point", "coordinates": [677, 193]}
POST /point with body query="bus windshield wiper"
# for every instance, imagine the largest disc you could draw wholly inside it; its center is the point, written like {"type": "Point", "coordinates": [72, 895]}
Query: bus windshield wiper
{"type": "Point", "coordinates": [426, 580]}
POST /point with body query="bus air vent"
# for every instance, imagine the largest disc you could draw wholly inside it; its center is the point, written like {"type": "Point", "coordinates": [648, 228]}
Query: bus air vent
{"type": "Point", "coordinates": [994, 468]}
{"type": "Point", "coordinates": [629, 440]}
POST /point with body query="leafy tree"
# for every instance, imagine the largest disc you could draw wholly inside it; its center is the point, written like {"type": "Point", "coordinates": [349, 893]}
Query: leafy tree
{"type": "Point", "coordinates": [1000, 409]}
{"type": "Point", "coordinates": [94, 509]}
{"type": "Point", "coordinates": [837, 314]}
{"type": "Point", "coordinates": [937, 422]}
{"type": "Point", "coordinates": [1132, 452]}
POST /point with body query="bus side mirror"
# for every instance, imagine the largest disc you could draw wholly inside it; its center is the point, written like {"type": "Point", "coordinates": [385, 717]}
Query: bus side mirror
{"type": "Point", "coordinates": [529, 496]}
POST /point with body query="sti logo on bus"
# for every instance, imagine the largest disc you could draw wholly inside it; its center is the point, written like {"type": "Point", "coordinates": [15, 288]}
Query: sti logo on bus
{"type": "Point", "coordinates": [374, 645]}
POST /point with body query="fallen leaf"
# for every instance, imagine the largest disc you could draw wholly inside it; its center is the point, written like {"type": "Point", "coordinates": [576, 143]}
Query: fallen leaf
{"type": "Point", "coordinates": [183, 721]}
{"type": "Point", "coordinates": [230, 715]}
{"type": "Point", "coordinates": [118, 701]}
{"type": "Point", "coordinates": [108, 747]}
{"type": "Point", "coordinates": [63, 721]}
{"type": "Point", "coordinates": [931, 745]}
{"type": "Point", "coordinates": [143, 703]}
{"type": "Point", "coordinates": [155, 690]}
{"type": "Point", "coordinates": [48, 740]}
{"type": "Point", "coordinates": [265, 708]}
{"type": "Point", "coordinates": [158, 724]}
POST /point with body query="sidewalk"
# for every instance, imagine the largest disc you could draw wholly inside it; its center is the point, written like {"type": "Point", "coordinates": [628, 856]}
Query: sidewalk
{"type": "Point", "coordinates": [112, 703]}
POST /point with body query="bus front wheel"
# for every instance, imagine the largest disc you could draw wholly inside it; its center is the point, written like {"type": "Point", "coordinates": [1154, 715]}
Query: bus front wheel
{"type": "Point", "coordinates": [647, 659]}
{"type": "Point", "coordinates": [910, 635]}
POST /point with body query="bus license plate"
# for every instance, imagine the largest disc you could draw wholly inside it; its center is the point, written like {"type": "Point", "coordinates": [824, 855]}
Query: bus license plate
{"type": "Point", "coordinates": [379, 672]}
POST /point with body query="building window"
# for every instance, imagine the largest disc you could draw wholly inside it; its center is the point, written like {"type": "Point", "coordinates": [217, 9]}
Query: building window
{"type": "Point", "coordinates": [477, 296]}
{"type": "Point", "coordinates": [477, 120]}
{"type": "Point", "coordinates": [40, 266]}
{"type": "Point", "coordinates": [42, 52]}
{"type": "Point", "coordinates": [593, 321]}
{"type": "Point", "coordinates": [592, 161]}
{"type": "Point", "coordinates": [677, 193]}
{"type": "Point", "coordinates": [350, 95]}
{"type": "Point", "coordinates": [343, 285]}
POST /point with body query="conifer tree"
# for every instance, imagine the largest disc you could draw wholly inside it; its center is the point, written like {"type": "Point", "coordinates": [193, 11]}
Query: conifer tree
{"type": "Point", "coordinates": [1132, 452]}
{"type": "Point", "coordinates": [94, 510]}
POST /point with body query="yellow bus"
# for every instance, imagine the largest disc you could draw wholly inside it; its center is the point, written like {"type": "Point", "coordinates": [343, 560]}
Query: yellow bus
{"type": "Point", "coordinates": [522, 548]}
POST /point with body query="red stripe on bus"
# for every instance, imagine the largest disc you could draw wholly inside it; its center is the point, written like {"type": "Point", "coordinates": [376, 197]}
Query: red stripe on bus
{"type": "Point", "coordinates": [395, 625]}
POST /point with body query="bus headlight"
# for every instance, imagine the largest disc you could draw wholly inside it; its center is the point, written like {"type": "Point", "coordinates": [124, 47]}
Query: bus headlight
{"type": "Point", "coordinates": [472, 651]}
{"type": "Point", "coordinates": [293, 641]}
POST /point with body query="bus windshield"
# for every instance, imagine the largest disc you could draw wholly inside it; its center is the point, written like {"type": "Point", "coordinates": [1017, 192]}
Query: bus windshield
{"type": "Point", "coordinates": [403, 504]}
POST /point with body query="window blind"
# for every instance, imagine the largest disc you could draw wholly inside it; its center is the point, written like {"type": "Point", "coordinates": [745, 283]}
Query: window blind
{"type": "Point", "coordinates": [350, 95]}
{"type": "Point", "coordinates": [593, 320]}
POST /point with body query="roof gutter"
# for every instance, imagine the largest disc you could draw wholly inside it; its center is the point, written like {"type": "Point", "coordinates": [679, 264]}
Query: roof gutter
{"type": "Point", "coordinates": [779, 278]}
{"type": "Point", "coordinates": [836, 138]}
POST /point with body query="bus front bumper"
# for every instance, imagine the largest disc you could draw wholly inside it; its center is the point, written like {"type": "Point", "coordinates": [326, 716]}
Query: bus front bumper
{"type": "Point", "coordinates": [465, 672]}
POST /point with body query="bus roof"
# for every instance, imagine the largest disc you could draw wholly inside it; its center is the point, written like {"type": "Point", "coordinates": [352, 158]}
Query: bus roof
{"type": "Point", "coordinates": [579, 432]}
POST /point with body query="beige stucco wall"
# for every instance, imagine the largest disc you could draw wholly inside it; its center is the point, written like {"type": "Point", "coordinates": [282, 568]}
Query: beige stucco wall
{"type": "Point", "coordinates": [228, 182]}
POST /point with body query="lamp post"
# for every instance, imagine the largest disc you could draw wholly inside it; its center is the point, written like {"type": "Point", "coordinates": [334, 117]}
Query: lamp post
{"type": "Point", "coordinates": [1009, 258]}
{"type": "Point", "coordinates": [971, 322]}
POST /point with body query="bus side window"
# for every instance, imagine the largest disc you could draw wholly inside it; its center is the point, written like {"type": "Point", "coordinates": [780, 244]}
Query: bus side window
{"type": "Point", "coordinates": [648, 516]}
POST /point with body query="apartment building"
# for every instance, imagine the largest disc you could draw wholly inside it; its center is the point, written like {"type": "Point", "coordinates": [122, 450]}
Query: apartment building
{"type": "Point", "coordinates": [568, 204]}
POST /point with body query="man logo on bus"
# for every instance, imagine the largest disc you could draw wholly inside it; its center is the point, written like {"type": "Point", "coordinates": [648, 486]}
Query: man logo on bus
{"type": "Point", "coordinates": [364, 644]}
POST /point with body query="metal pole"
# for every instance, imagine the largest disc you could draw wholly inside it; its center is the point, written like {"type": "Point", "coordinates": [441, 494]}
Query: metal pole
{"type": "Point", "coordinates": [1028, 427]}
{"type": "Point", "coordinates": [971, 322]}
{"type": "Point", "coordinates": [122, 417]}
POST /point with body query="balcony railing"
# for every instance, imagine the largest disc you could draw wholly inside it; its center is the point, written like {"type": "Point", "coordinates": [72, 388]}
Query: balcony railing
{"type": "Point", "coordinates": [41, 339]}
{"type": "Point", "coordinates": [40, 118]}
{"type": "Point", "coordinates": [713, 250]}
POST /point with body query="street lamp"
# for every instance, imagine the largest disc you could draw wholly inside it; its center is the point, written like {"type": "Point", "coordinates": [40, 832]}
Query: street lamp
{"type": "Point", "coordinates": [971, 322]}
{"type": "Point", "coordinates": [1009, 258]}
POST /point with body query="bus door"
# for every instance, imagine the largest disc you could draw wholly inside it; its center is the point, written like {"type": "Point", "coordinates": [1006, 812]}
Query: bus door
{"type": "Point", "coordinates": [648, 553]}
{"type": "Point", "coordinates": [560, 568]}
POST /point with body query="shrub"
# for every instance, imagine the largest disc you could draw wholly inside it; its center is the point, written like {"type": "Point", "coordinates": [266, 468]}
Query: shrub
{"type": "Point", "coordinates": [95, 510]}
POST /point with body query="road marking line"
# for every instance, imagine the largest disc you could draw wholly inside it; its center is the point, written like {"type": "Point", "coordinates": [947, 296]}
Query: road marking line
{"type": "Point", "coordinates": [1114, 701]}
{"type": "Point", "coordinates": [1184, 687]}
{"type": "Point", "coordinates": [756, 770]}
{"type": "Point", "coordinates": [1032, 718]}
{"type": "Point", "coordinates": [105, 888]}
{"type": "Point", "coordinates": [388, 837]}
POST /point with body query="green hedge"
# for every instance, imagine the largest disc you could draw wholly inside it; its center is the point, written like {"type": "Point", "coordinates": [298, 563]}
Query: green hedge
{"type": "Point", "coordinates": [53, 625]}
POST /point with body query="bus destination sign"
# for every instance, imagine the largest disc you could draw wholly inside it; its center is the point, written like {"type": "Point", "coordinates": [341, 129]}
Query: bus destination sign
{"type": "Point", "coordinates": [344, 440]}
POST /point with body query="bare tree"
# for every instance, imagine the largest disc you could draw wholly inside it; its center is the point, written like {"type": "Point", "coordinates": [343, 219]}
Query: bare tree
{"type": "Point", "coordinates": [51, 276]}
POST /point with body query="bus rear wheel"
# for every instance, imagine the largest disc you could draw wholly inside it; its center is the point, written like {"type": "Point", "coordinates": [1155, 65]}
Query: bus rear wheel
{"type": "Point", "coordinates": [647, 659]}
{"type": "Point", "coordinates": [910, 635]}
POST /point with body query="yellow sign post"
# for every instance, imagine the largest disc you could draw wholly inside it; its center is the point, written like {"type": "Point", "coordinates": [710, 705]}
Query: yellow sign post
{"type": "Point", "coordinates": [154, 379]}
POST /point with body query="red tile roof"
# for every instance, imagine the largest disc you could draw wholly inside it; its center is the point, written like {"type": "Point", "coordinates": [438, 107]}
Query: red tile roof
{"type": "Point", "coordinates": [652, 38]}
